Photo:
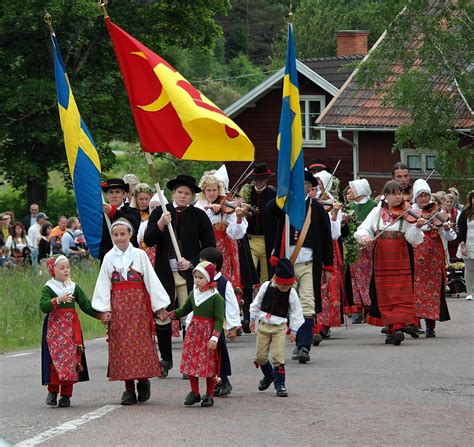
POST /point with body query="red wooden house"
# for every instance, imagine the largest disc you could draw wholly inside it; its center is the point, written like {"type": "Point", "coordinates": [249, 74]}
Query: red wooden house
{"type": "Point", "coordinates": [258, 112]}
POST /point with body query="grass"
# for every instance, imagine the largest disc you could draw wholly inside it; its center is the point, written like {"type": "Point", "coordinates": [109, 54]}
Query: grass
{"type": "Point", "coordinates": [21, 320]}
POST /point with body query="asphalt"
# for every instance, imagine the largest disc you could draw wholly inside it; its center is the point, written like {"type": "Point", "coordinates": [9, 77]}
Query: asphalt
{"type": "Point", "coordinates": [355, 391]}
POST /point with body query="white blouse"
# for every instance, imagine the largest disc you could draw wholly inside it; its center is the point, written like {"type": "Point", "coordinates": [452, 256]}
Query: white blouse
{"type": "Point", "coordinates": [139, 261]}
{"type": "Point", "coordinates": [374, 222]}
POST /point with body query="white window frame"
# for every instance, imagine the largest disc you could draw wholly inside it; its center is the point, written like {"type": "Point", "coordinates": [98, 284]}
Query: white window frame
{"type": "Point", "coordinates": [306, 99]}
{"type": "Point", "coordinates": [405, 153]}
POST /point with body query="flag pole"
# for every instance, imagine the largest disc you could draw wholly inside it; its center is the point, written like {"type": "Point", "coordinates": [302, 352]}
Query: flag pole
{"type": "Point", "coordinates": [287, 218]}
{"type": "Point", "coordinates": [102, 4]}
{"type": "Point", "coordinates": [162, 202]}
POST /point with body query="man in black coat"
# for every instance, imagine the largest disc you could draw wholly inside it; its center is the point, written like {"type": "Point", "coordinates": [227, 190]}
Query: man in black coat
{"type": "Point", "coordinates": [116, 208]}
{"type": "Point", "coordinates": [314, 258]}
{"type": "Point", "coordinates": [193, 232]}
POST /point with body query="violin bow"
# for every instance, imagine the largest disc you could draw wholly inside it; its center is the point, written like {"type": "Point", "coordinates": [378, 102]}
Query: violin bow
{"type": "Point", "coordinates": [242, 178]}
{"type": "Point", "coordinates": [393, 223]}
{"type": "Point", "coordinates": [332, 176]}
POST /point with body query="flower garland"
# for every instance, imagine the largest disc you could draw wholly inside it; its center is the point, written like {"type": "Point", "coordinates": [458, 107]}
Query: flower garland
{"type": "Point", "coordinates": [246, 191]}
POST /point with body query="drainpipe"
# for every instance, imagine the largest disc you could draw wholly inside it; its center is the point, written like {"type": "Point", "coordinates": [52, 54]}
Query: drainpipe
{"type": "Point", "coordinates": [355, 150]}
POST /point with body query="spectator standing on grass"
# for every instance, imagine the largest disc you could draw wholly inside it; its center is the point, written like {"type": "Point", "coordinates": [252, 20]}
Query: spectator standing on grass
{"type": "Point", "coordinates": [56, 234]}
{"type": "Point", "coordinates": [44, 247]}
{"type": "Point", "coordinates": [34, 235]}
{"type": "Point", "coordinates": [30, 219]}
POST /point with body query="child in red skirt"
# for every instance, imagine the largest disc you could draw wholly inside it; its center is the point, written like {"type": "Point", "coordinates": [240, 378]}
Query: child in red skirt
{"type": "Point", "coordinates": [200, 357]}
{"type": "Point", "coordinates": [129, 291]}
{"type": "Point", "coordinates": [63, 359]}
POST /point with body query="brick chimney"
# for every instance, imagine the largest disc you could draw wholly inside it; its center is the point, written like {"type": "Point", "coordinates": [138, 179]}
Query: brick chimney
{"type": "Point", "coordinates": [351, 42]}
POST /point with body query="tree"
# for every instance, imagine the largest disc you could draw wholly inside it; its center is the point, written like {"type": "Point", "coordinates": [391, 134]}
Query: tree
{"type": "Point", "coordinates": [430, 45]}
{"type": "Point", "coordinates": [30, 134]}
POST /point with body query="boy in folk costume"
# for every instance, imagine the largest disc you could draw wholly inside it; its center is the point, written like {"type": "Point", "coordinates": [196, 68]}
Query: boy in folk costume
{"type": "Point", "coordinates": [63, 359]}
{"type": "Point", "coordinates": [128, 289]}
{"type": "Point", "coordinates": [430, 265]}
{"type": "Point", "coordinates": [359, 273]}
{"type": "Point", "coordinates": [391, 290]}
{"type": "Point", "coordinates": [200, 357]}
{"type": "Point", "coordinates": [275, 304]}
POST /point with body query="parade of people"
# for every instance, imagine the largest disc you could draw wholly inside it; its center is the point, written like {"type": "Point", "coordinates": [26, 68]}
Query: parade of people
{"type": "Point", "coordinates": [239, 225]}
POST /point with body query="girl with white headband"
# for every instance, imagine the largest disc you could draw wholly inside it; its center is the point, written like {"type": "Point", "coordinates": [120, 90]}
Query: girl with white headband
{"type": "Point", "coordinates": [62, 351]}
{"type": "Point", "coordinates": [129, 291]}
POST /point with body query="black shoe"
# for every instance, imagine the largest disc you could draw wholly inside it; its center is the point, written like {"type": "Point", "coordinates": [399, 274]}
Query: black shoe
{"type": "Point", "coordinates": [357, 318]}
{"type": "Point", "coordinates": [430, 333]}
{"type": "Point", "coordinates": [217, 390]}
{"type": "Point", "coordinates": [398, 337]}
{"type": "Point", "coordinates": [207, 401]}
{"type": "Point", "coordinates": [246, 326]}
{"type": "Point", "coordinates": [412, 330]}
{"type": "Point", "coordinates": [303, 355]}
{"type": "Point", "coordinates": [281, 391]}
{"type": "Point", "coordinates": [128, 398]}
{"type": "Point", "coordinates": [185, 377]}
{"type": "Point", "coordinates": [64, 402]}
{"type": "Point", "coordinates": [265, 382]}
{"type": "Point", "coordinates": [420, 331]}
{"type": "Point", "coordinates": [326, 334]}
{"type": "Point", "coordinates": [166, 365]}
{"type": "Point", "coordinates": [295, 354]}
{"type": "Point", "coordinates": [389, 339]}
{"type": "Point", "coordinates": [384, 330]}
{"type": "Point", "coordinates": [192, 398]}
{"type": "Point", "coordinates": [224, 390]}
{"type": "Point", "coordinates": [317, 338]}
{"type": "Point", "coordinates": [52, 399]}
{"type": "Point", "coordinates": [143, 389]}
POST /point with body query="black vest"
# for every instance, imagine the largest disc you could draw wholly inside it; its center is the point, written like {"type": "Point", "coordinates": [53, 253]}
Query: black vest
{"type": "Point", "coordinates": [275, 302]}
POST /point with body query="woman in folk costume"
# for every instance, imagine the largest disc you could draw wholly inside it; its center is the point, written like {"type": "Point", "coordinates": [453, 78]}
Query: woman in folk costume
{"type": "Point", "coordinates": [127, 286]}
{"type": "Point", "coordinates": [430, 265]}
{"type": "Point", "coordinates": [453, 215]}
{"type": "Point", "coordinates": [359, 272]}
{"type": "Point", "coordinates": [63, 359]}
{"type": "Point", "coordinates": [391, 288]}
{"type": "Point", "coordinates": [199, 357]}
{"type": "Point", "coordinates": [331, 292]}
{"type": "Point", "coordinates": [229, 225]}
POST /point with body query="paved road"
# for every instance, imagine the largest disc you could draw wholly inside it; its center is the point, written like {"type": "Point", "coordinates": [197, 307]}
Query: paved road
{"type": "Point", "coordinates": [355, 390]}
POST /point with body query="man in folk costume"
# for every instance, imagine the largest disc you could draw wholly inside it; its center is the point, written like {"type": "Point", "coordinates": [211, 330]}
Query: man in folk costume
{"type": "Point", "coordinates": [116, 191]}
{"type": "Point", "coordinates": [401, 174]}
{"type": "Point", "coordinates": [313, 262]}
{"type": "Point", "coordinates": [261, 227]}
{"type": "Point", "coordinates": [359, 273]}
{"type": "Point", "coordinates": [430, 266]}
{"type": "Point", "coordinates": [193, 232]}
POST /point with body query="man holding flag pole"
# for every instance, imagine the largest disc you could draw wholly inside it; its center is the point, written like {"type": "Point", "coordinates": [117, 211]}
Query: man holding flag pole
{"type": "Point", "coordinates": [306, 235]}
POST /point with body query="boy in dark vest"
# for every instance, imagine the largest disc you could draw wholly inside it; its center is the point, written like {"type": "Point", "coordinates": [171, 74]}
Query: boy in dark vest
{"type": "Point", "coordinates": [232, 319]}
{"type": "Point", "coordinates": [275, 305]}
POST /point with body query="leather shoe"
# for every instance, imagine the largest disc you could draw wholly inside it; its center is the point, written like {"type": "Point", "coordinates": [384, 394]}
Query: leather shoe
{"type": "Point", "coordinates": [224, 390]}
{"type": "Point", "coordinates": [128, 398]}
{"type": "Point", "coordinates": [430, 333]}
{"type": "Point", "coordinates": [207, 401]}
{"type": "Point", "coordinates": [325, 334]}
{"type": "Point", "coordinates": [265, 382]}
{"type": "Point", "coordinates": [398, 337]}
{"type": "Point", "coordinates": [281, 391]}
{"type": "Point", "coordinates": [389, 339]}
{"type": "Point", "coordinates": [143, 389]}
{"type": "Point", "coordinates": [246, 326]}
{"type": "Point", "coordinates": [166, 365]}
{"type": "Point", "coordinates": [317, 338]}
{"type": "Point", "coordinates": [52, 399]}
{"type": "Point", "coordinates": [192, 398]}
{"type": "Point", "coordinates": [64, 402]}
{"type": "Point", "coordinates": [412, 330]}
{"type": "Point", "coordinates": [303, 356]}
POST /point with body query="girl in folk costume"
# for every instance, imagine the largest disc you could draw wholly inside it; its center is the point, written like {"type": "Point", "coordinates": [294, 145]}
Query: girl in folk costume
{"type": "Point", "coordinates": [453, 215]}
{"type": "Point", "coordinates": [127, 287]}
{"type": "Point", "coordinates": [199, 357]}
{"type": "Point", "coordinates": [359, 272]}
{"type": "Point", "coordinates": [62, 351]}
{"type": "Point", "coordinates": [331, 292]}
{"type": "Point", "coordinates": [141, 197]}
{"type": "Point", "coordinates": [391, 289]}
{"type": "Point", "coordinates": [229, 225]}
{"type": "Point", "coordinates": [430, 265]}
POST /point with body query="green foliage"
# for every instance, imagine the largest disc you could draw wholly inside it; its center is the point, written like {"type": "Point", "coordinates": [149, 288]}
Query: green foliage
{"type": "Point", "coordinates": [432, 46]}
{"type": "Point", "coordinates": [21, 319]}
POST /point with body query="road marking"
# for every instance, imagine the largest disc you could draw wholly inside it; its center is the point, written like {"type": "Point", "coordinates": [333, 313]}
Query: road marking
{"type": "Point", "coordinates": [21, 354]}
{"type": "Point", "coordinates": [67, 426]}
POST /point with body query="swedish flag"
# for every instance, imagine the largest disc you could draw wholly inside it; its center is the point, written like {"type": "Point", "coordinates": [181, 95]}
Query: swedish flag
{"type": "Point", "coordinates": [82, 157]}
{"type": "Point", "coordinates": [290, 176]}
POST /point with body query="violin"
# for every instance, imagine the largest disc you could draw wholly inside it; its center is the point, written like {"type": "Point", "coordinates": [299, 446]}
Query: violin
{"type": "Point", "coordinates": [434, 215]}
{"type": "Point", "coordinates": [404, 211]}
{"type": "Point", "coordinates": [228, 205]}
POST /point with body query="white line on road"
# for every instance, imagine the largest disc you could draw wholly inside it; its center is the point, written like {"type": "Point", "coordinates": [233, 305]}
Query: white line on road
{"type": "Point", "coordinates": [67, 426]}
{"type": "Point", "coordinates": [18, 355]}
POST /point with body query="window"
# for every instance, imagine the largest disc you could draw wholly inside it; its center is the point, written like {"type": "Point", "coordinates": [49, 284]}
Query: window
{"type": "Point", "coordinates": [311, 108]}
{"type": "Point", "coordinates": [423, 163]}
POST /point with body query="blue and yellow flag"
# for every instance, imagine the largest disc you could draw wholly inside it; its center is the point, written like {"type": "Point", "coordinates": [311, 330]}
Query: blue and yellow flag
{"type": "Point", "coordinates": [290, 175]}
{"type": "Point", "coordinates": [82, 157]}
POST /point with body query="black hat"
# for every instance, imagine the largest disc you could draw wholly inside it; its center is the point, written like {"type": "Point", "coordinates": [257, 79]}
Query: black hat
{"type": "Point", "coordinates": [308, 177]}
{"type": "Point", "coordinates": [184, 180]}
{"type": "Point", "coordinates": [115, 183]}
{"type": "Point", "coordinates": [284, 272]}
{"type": "Point", "coordinates": [260, 172]}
